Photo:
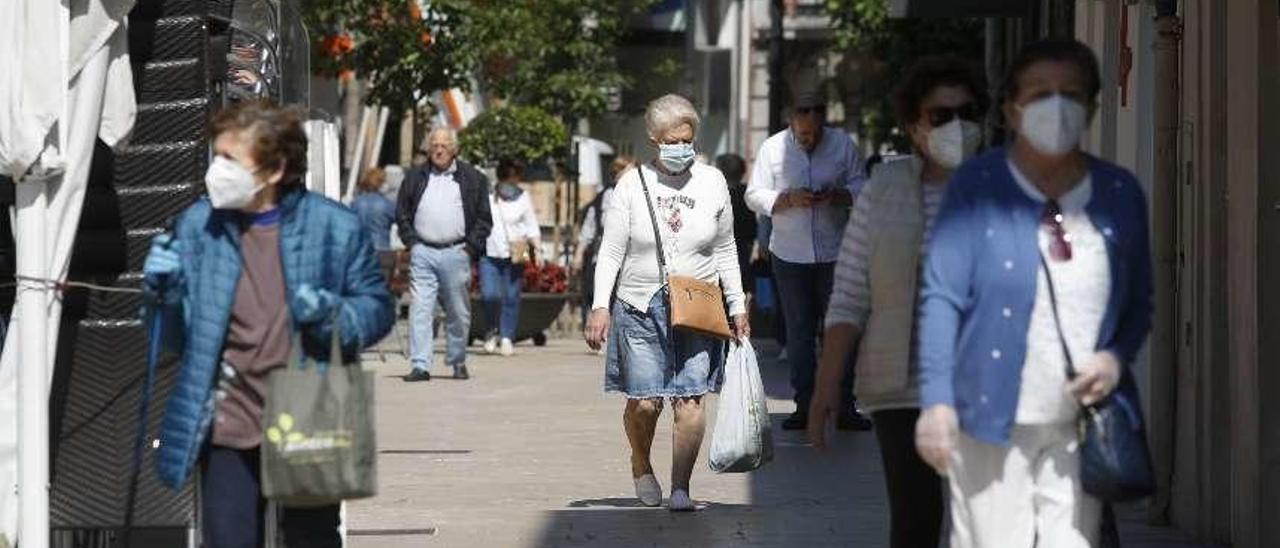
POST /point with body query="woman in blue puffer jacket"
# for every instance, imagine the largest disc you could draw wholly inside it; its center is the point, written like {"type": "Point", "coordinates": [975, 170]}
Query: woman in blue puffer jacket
{"type": "Point", "coordinates": [246, 267]}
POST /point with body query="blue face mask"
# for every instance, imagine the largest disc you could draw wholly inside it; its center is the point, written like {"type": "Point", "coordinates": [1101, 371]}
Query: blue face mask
{"type": "Point", "coordinates": [676, 157]}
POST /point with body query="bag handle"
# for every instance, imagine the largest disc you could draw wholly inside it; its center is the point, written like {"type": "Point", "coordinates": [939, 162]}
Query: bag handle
{"type": "Point", "coordinates": [1057, 321]}
{"type": "Point", "coordinates": [297, 354]}
{"type": "Point", "coordinates": [653, 218]}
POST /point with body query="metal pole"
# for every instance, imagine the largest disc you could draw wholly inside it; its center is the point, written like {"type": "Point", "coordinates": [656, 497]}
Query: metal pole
{"type": "Point", "coordinates": [776, 84]}
{"type": "Point", "coordinates": [33, 365]}
{"type": "Point", "coordinates": [745, 33]}
{"type": "Point", "coordinates": [1164, 230]}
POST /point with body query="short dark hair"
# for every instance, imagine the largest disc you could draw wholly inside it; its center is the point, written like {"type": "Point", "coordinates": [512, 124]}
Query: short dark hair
{"type": "Point", "coordinates": [509, 168]}
{"type": "Point", "coordinates": [276, 137]}
{"type": "Point", "coordinates": [733, 166]}
{"type": "Point", "coordinates": [930, 73]}
{"type": "Point", "coordinates": [1055, 49]}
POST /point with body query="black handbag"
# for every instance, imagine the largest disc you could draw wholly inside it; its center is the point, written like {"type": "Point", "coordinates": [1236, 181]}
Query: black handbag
{"type": "Point", "coordinates": [1115, 462]}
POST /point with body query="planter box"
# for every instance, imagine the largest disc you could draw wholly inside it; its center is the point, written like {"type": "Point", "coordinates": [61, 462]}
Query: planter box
{"type": "Point", "coordinates": [537, 312]}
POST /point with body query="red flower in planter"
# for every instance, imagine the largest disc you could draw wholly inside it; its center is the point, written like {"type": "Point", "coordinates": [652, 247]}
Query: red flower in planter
{"type": "Point", "coordinates": [550, 278]}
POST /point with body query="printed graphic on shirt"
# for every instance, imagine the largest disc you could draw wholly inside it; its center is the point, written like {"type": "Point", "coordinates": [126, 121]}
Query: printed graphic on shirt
{"type": "Point", "coordinates": [672, 206]}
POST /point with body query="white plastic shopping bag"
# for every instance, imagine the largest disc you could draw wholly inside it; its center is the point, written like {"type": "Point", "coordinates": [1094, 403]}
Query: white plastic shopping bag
{"type": "Point", "coordinates": [743, 437]}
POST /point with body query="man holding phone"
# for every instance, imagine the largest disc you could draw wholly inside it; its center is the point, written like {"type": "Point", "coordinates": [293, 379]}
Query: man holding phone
{"type": "Point", "coordinates": [805, 179]}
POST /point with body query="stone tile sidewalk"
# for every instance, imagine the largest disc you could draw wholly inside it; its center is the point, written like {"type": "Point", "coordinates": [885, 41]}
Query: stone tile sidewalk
{"type": "Point", "coordinates": [530, 453]}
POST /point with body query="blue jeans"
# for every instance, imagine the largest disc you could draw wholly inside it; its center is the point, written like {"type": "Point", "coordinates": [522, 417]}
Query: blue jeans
{"type": "Point", "coordinates": [442, 274]}
{"type": "Point", "coordinates": [803, 291]}
{"type": "Point", "coordinates": [500, 281]}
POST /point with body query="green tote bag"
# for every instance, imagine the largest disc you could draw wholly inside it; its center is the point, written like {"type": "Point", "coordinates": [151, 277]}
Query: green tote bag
{"type": "Point", "coordinates": [319, 445]}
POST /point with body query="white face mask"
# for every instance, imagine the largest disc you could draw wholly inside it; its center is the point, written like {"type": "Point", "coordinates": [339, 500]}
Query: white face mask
{"type": "Point", "coordinates": [954, 142]}
{"type": "Point", "coordinates": [230, 184]}
{"type": "Point", "coordinates": [676, 157]}
{"type": "Point", "coordinates": [1053, 125]}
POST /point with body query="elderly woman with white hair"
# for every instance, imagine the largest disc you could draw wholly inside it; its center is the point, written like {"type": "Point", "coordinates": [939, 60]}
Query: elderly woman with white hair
{"type": "Point", "coordinates": [647, 360]}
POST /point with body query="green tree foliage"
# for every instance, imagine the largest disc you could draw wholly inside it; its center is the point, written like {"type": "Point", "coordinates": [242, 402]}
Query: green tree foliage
{"type": "Point", "coordinates": [558, 55]}
{"type": "Point", "coordinates": [865, 26]}
{"type": "Point", "coordinates": [405, 50]}
{"type": "Point", "coordinates": [521, 133]}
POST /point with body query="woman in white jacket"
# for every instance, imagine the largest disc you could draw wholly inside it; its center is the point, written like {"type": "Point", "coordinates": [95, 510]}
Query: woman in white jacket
{"type": "Point", "coordinates": [646, 359]}
{"type": "Point", "coordinates": [515, 228]}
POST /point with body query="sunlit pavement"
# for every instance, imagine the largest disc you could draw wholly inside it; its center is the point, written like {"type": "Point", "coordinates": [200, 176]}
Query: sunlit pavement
{"type": "Point", "coordinates": [530, 452]}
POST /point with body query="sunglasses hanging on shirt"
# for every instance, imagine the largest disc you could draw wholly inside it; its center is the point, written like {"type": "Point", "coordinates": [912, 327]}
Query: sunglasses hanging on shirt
{"type": "Point", "coordinates": [1060, 240]}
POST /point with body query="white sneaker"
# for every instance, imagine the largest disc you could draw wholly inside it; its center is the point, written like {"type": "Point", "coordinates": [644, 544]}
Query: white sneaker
{"type": "Point", "coordinates": [506, 348]}
{"type": "Point", "coordinates": [491, 345]}
{"type": "Point", "coordinates": [680, 502]}
{"type": "Point", "coordinates": [648, 490]}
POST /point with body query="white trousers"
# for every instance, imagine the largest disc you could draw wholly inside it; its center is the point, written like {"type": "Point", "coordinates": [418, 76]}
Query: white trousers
{"type": "Point", "coordinates": [1022, 496]}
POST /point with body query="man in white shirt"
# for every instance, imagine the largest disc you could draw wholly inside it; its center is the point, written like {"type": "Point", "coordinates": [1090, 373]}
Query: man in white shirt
{"type": "Point", "coordinates": [805, 179]}
{"type": "Point", "coordinates": [443, 217]}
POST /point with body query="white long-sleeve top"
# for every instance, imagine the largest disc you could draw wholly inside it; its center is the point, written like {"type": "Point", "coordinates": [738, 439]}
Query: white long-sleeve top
{"type": "Point", "coordinates": [695, 219]}
{"type": "Point", "coordinates": [805, 234]}
{"type": "Point", "coordinates": [512, 220]}
{"type": "Point", "coordinates": [1083, 286]}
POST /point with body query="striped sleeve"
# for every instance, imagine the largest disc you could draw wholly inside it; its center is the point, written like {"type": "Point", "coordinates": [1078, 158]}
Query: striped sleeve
{"type": "Point", "coordinates": [851, 294]}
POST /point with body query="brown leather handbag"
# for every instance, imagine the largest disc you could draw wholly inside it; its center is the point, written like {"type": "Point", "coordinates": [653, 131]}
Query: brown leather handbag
{"type": "Point", "coordinates": [695, 305]}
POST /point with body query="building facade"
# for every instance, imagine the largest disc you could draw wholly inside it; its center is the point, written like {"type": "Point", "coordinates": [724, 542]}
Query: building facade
{"type": "Point", "coordinates": [717, 52]}
{"type": "Point", "coordinates": [1192, 101]}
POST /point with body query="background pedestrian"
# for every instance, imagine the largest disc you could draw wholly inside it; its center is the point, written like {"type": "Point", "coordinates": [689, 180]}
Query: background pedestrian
{"type": "Point", "coordinates": [940, 106]}
{"type": "Point", "coordinates": [377, 212]}
{"type": "Point", "coordinates": [734, 168]}
{"type": "Point", "coordinates": [591, 234]}
{"type": "Point", "coordinates": [805, 178]}
{"type": "Point", "coordinates": [512, 243]}
{"type": "Point", "coordinates": [443, 217]}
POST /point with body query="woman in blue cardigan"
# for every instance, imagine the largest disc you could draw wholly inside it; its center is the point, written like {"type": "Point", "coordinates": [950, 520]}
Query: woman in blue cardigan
{"type": "Point", "coordinates": [999, 408]}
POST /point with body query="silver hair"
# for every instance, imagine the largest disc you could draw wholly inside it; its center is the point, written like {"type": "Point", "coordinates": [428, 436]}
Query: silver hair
{"type": "Point", "coordinates": [453, 137]}
{"type": "Point", "coordinates": [669, 112]}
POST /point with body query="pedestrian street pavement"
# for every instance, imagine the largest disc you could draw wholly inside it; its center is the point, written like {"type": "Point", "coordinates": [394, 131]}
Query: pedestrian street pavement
{"type": "Point", "coordinates": [531, 453]}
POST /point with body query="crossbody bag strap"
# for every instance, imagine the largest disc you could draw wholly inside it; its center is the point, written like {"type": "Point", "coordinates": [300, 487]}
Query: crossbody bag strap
{"type": "Point", "coordinates": [653, 218]}
{"type": "Point", "coordinates": [1057, 321]}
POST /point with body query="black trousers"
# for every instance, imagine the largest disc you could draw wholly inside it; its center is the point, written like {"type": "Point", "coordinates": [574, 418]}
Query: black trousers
{"type": "Point", "coordinates": [232, 506]}
{"type": "Point", "coordinates": [915, 491]}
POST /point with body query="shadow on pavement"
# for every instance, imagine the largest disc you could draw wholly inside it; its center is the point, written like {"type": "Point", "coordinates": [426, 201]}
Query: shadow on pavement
{"type": "Point", "coordinates": [613, 502]}
{"type": "Point", "coordinates": [712, 525]}
{"type": "Point", "coordinates": [802, 499]}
